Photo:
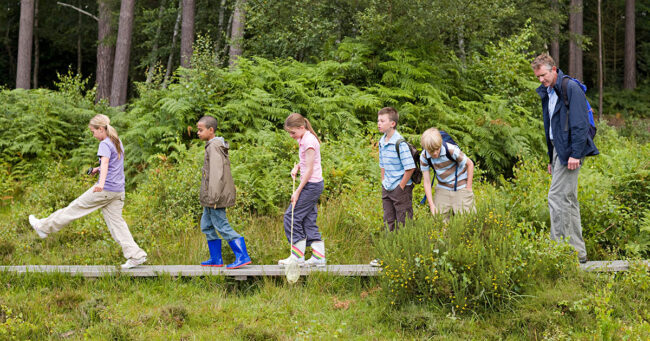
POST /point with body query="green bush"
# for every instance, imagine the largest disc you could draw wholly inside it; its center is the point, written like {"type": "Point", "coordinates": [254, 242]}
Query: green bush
{"type": "Point", "coordinates": [479, 260]}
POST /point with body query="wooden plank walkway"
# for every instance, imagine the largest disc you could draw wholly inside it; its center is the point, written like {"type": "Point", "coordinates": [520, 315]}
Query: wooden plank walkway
{"type": "Point", "coordinates": [362, 270]}
{"type": "Point", "coordinates": [93, 271]}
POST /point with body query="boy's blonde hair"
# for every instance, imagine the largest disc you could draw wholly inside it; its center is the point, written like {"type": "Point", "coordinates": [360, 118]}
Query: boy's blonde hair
{"type": "Point", "coordinates": [431, 140]}
{"type": "Point", "coordinates": [391, 112]}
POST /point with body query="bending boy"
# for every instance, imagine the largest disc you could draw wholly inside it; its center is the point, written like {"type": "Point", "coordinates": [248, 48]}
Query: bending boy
{"type": "Point", "coordinates": [454, 171]}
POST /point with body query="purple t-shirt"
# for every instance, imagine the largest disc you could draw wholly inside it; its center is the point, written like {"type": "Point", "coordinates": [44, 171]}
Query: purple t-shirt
{"type": "Point", "coordinates": [115, 177]}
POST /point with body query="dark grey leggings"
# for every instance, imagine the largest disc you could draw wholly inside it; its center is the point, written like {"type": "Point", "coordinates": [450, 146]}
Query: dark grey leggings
{"type": "Point", "coordinates": [304, 215]}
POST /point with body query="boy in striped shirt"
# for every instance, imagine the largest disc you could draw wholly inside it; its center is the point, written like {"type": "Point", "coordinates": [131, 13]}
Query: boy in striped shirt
{"type": "Point", "coordinates": [396, 171]}
{"type": "Point", "coordinates": [454, 171]}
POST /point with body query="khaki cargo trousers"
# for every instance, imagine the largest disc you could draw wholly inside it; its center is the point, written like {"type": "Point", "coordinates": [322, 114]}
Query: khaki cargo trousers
{"type": "Point", "coordinates": [111, 204]}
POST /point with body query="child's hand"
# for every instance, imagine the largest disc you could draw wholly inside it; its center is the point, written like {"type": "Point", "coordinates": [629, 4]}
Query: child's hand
{"type": "Point", "coordinates": [98, 188]}
{"type": "Point", "coordinates": [294, 198]}
{"type": "Point", "coordinates": [95, 170]}
{"type": "Point", "coordinates": [294, 172]}
{"type": "Point", "coordinates": [433, 209]}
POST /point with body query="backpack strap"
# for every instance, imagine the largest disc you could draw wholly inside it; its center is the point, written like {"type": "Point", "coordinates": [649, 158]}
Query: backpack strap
{"type": "Point", "coordinates": [565, 97]}
{"type": "Point", "coordinates": [397, 147]}
{"type": "Point", "coordinates": [450, 158]}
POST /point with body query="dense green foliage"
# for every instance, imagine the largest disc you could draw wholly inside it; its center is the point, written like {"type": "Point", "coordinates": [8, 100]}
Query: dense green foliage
{"type": "Point", "coordinates": [496, 263]}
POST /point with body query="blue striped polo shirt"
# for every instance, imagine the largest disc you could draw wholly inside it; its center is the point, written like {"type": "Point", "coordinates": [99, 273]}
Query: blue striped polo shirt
{"type": "Point", "coordinates": [445, 168]}
{"type": "Point", "coordinates": [393, 165]}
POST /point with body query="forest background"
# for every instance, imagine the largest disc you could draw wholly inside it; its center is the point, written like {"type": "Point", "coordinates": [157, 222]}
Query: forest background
{"type": "Point", "coordinates": [155, 67]}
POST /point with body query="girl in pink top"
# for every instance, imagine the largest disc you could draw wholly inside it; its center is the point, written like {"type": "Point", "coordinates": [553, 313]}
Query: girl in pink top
{"type": "Point", "coordinates": [304, 200]}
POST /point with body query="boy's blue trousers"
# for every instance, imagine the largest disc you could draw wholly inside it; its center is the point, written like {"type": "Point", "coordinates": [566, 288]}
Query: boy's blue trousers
{"type": "Point", "coordinates": [214, 220]}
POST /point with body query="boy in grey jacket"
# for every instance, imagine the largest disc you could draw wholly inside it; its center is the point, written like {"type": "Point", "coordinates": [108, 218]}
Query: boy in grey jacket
{"type": "Point", "coordinates": [217, 193]}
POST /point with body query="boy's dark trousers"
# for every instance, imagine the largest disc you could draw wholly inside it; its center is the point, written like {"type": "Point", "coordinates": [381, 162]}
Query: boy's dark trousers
{"type": "Point", "coordinates": [397, 204]}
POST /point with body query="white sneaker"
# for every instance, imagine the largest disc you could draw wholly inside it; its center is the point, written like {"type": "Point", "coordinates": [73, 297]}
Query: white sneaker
{"type": "Point", "coordinates": [132, 263]}
{"type": "Point", "coordinates": [375, 262]}
{"type": "Point", "coordinates": [313, 261]}
{"type": "Point", "coordinates": [35, 225]}
{"type": "Point", "coordinates": [291, 259]}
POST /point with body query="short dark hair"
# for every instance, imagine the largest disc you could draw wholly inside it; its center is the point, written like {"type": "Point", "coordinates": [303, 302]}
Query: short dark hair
{"type": "Point", "coordinates": [209, 122]}
{"type": "Point", "coordinates": [391, 112]}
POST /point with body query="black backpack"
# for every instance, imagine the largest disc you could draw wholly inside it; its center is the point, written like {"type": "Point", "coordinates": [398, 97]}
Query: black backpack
{"type": "Point", "coordinates": [416, 177]}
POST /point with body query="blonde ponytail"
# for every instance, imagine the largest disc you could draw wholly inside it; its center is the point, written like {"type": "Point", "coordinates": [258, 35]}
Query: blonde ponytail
{"type": "Point", "coordinates": [295, 120]}
{"type": "Point", "coordinates": [101, 120]}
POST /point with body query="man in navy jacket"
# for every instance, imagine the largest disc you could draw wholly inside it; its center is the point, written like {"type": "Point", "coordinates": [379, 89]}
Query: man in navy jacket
{"type": "Point", "coordinates": [568, 144]}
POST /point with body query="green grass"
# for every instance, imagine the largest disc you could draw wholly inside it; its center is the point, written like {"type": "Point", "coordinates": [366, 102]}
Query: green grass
{"type": "Point", "coordinates": [53, 306]}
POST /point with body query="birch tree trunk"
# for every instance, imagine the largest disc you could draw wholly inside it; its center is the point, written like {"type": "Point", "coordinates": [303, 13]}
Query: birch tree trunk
{"type": "Point", "coordinates": [104, 73]}
{"type": "Point", "coordinates": [154, 50]}
{"type": "Point", "coordinates": [122, 54]}
{"type": "Point", "coordinates": [600, 62]}
{"type": "Point", "coordinates": [170, 60]}
{"type": "Point", "coordinates": [629, 79]}
{"type": "Point", "coordinates": [575, 46]}
{"type": "Point", "coordinates": [36, 48]}
{"type": "Point", "coordinates": [220, 35]}
{"type": "Point", "coordinates": [79, 55]}
{"type": "Point", "coordinates": [25, 36]}
{"type": "Point", "coordinates": [187, 33]}
{"type": "Point", "coordinates": [237, 32]}
{"type": "Point", "coordinates": [555, 43]}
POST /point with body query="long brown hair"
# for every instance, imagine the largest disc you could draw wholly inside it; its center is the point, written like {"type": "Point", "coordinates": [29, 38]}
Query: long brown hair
{"type": "Point", "coordinates": [101, 120]}
{"type": "Point", "coordinates": [295, 120]}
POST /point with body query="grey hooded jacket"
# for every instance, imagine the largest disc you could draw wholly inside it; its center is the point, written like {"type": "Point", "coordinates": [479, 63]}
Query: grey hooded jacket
{"type": "Point", "coordinates": [217, 185]}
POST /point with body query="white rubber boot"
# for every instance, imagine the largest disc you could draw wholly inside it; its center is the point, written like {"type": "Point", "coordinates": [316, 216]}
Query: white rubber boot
{"type": "Point", "coordinates": [317, 254]}
{"type": "Point", "coordinates": [297, 254]}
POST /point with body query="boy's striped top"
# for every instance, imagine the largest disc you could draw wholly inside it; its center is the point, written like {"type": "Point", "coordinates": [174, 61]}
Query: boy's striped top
{"type": "Point", "coordinates": [393, 165]}
{"type": "Point", "coordinates": [445, 168]}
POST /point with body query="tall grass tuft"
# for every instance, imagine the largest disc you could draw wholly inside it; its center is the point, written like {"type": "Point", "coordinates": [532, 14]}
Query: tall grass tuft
{"type": "Point", "coordinates": [479, 260]}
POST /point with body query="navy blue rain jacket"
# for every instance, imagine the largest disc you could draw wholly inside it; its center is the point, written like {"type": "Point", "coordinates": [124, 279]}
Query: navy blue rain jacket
{"type": "Point", "coordinates": [572, 140]}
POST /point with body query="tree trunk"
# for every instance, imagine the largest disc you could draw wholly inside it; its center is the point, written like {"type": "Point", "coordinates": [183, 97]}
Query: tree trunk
{"type": "Point", "coordinates": [187, 33]}
{"type": "Point", "coordinates": [237, 32]}
{"type": "Point", "coordinates": [629, 80]}
{"type": "Point", "coordinates": [36, 48]}
{"type": "Point", "coordinates": [25, 36]}
{"type": "Point", "coordinates": [79, 56]}
{"type": "Point", "coordinates": [104, 52]}
{"type": "Point", "coordinates": [154, 50]}
{"type": "Point", "coordinates": [171, 51]}
{"type": "Point", "coordinates": [122, 54]}
{"type": "Point", "coordinates": [575, 43]}
{"type": "Point", "coordinates": [10, 53]}
{"type": "Point", "coordinates": [600, 62]}
{"type": "Point", "coordinates": [555, 43]}
{"type": "Point", "coordinates": [461, 46]}
{"type": "Point", "coordinates": [217, 48]}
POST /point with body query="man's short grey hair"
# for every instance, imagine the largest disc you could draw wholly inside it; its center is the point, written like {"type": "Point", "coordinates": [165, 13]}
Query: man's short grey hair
{"type": "Point", "coordinates": [543, 60]}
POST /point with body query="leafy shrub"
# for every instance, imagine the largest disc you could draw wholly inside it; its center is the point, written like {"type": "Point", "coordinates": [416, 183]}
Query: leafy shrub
{"type": "Point", "coordinates": [480, 260]}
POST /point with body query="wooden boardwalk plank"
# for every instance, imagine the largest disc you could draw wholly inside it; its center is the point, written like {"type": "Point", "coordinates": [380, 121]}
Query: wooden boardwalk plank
{"type": "Point", "coordinates": [93, 271]}
{"type": "Point", "coordinates": [191, 270]}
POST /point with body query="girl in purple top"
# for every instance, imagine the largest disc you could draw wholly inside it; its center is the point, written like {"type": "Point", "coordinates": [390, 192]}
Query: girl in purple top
{"type": "Point", "coordinates": [107, 194]}
{"type": "Point", "coordinates": [304, 200]}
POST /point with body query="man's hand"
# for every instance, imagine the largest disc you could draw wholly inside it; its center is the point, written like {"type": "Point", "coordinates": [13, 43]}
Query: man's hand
{"type": "Point", "coordinates": [550, 168]}
{"type": "Point", "coordinates": [573, 163]}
